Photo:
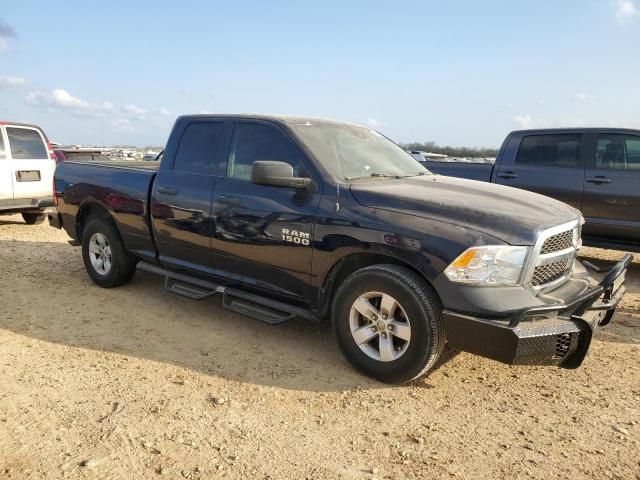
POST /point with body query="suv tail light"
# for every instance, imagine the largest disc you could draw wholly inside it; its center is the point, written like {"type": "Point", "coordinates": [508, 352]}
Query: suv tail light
{"type": "Point", "coordinates": [52, 155]}
{"type": "Point", "coordinates": [55, 196]}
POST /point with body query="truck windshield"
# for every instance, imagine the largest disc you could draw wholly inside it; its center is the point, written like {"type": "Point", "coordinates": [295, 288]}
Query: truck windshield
{"type": "Point", "coordinates": [351, 152]}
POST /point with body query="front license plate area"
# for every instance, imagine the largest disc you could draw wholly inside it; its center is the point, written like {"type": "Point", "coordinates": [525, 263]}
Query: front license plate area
{"type": "Point", "coordinates": [28, 175]}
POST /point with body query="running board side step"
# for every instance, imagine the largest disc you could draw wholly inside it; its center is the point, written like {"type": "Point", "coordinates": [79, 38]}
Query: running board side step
{"type": "Point", "coordinates": [249, 304]}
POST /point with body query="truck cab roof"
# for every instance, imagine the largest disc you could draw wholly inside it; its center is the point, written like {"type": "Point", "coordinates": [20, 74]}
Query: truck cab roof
{"type": "Point", "coordinates": [282, 118]}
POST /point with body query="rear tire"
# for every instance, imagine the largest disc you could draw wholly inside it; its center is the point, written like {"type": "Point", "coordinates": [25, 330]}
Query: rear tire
{"type": "Point", "coordinates": [400, 335]}
{"type": "Point", "coordinates": [105, 257]}
{"type": "Point", "coordinates": [33, 218]}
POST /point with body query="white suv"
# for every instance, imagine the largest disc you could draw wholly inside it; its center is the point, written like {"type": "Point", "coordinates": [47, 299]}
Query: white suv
{"type": "Point", "coordinates": [27, 164]}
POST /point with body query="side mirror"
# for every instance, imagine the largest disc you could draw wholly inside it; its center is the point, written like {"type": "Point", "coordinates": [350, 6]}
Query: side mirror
{"type": "Point", "coordinates": [276, 174]}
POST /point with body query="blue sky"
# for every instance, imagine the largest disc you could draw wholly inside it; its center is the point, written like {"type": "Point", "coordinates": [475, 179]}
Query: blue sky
{"type": "Point", "coordinates": [461, 73]}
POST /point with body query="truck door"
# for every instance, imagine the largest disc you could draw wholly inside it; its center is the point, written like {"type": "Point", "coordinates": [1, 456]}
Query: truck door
{"type": "Point", "coordinates": [611, 204]}
{"type": "Point", "coordinates": [30, 165]}
{"type": "Point", "coordinates": [181, 195]}
{"type": "Point", "coordinates": [550, 164]}
{"type": "Point", "coordinates": [6, 184]}
{"type": "Point", "coordinates": [263, 233]}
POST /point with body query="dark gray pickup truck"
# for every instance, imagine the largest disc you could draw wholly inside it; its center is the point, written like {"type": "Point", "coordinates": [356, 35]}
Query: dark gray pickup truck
{"type": "Point", "coordinates": [596, 170]}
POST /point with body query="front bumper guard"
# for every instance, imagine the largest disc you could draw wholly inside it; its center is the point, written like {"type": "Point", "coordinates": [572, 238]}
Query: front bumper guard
{"type": "Point", "coordinates": [555, 334]}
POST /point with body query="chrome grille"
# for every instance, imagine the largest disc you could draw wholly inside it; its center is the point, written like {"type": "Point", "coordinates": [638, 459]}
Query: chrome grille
{"type": "Point", "coordinates": [553, 255]}
{"type": "Point", "coordinates": [550, 272]}
{"type": "Point", "coordinates": [559, 241]}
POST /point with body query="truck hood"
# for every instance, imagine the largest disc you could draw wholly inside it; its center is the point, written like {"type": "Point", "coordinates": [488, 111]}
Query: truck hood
{"type": "Point", "coordinates": [512, 215]}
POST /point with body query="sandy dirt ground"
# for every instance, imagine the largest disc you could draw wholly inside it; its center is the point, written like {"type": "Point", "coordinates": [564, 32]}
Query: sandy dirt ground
{"type": "Point", "coordinates": [135, 382]}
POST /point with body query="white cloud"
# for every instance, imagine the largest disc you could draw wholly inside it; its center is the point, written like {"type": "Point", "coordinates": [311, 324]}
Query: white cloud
{"type": "Point", "coordinates": [7, 82]}
{"type": "Point", "coordinates": [584, 96]}
{"type": "Point", "coordinates": [134, 111]}
{"type": "Point", "coordinates": [122, 124]}
{"type": "Point", "coordinates": [164, 112]}
{"type": "Point", "coordinates": [60, 99]}
{"type": "Point", "coordinates": [373, 123]}
{"type": "Point", "coordinates": [525, 121]}
{"type": "Point", "coordinates": [529, 122]}
{"type": "Point", "coordinates": [626, 10]}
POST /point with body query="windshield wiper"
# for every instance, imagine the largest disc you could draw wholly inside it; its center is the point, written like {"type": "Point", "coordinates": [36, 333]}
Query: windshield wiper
{"type": "Point", "coordinates": [375, 174]}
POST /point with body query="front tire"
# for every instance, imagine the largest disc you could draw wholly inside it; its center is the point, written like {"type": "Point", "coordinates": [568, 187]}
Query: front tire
{"type": "Point", "coordinates": [105, 257]}
{"type": "Point", "coordinates": [33, 218]}
{"type": "Point", "coordinates": [388, 323]}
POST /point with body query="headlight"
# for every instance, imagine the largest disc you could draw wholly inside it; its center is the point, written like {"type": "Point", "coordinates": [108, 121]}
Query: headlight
{"type": "Point", "coordinates": [488, 265]}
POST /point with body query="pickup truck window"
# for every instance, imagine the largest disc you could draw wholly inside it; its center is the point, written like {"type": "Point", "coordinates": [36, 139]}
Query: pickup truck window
{"type": "Point", "coordinates": [618, 152]}
{"type": "Point", "coordinates": [26, 143]}
{"type": "Point", "coordinates": [198, 146]}
{"type": "Point", "coordinates": [252, 142]}
{"type": "Point", "coordinates": [561, 151]}
{"type": "Point", "coordinates": [350, 152]}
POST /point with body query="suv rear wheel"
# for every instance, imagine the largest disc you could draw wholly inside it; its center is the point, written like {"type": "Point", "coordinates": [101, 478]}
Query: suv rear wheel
{"type": "Point", "coordinates": [105, 257]}
{"type": "Point", "coordinates": [388, 323]}
{"type": "Point", "coordinates": [33, 218]}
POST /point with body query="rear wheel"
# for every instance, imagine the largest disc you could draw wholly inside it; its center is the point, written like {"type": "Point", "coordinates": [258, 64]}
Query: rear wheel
{"type": "Point", "coordinates": [106, 259]}
{"type": "Point", "coordinates": [388, 323]}
{"type": "Point", "coordinates": [33, 218]}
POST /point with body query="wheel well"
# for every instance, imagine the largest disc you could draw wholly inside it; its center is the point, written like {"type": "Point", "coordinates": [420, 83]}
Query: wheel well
{"type": "Point", "coordinates": [89, 212]}
{"type": "Point", "coordinates": [346, 266]}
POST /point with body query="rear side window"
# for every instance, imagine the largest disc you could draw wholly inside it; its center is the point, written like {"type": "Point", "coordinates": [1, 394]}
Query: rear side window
{"type": "Point", "coordinates": [618, 152]}
{"type": "Point", "coordinates": [561, 151]}
{"type": "Point", "coordinates": [26, 144]}
{"type": "Point", "coordinates": [198, 147]}
{"type": "Point", "coordinates": [253, 142]}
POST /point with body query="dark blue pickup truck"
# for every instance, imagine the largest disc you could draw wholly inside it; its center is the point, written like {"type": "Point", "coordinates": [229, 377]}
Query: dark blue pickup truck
{"type": "Point", "coordinates": [596, 170]}
{"type": "Point", "coordinates": [299, 217]}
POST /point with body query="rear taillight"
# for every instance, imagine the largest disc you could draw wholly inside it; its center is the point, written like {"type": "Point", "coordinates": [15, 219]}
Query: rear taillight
{"type": "Point", "coordinates": [55, 196]}
{"type": "Point", "coordinates": [52, 155]}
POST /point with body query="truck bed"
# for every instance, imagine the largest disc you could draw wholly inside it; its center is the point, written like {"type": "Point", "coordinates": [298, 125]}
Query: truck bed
{"type": "Point", "coordinates": [472, 171]}
{"type": "Point", "coordinates": [133, 164]}
{"type": "Point", "coordinates": [121, 188]}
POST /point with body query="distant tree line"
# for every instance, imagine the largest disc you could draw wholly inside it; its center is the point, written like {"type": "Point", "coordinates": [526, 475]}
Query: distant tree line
{"type": "Point", "coordinates": [451, 151]}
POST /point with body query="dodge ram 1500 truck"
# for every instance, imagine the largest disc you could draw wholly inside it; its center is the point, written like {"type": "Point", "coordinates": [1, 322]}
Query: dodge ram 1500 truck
{"type": "Point", "coordinates": [596, 170]}
{"type": "Point", "coordinates": [299, 217]}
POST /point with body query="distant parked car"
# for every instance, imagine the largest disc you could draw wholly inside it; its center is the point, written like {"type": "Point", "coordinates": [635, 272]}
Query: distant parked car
{"type": "Point", "coordinates": [27, 164]}
{"type": "Point", "coordinates": [79, 155]}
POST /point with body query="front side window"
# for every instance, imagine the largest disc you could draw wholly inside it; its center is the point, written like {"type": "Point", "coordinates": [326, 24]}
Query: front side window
{"type": "Point", "coordinates": [198, 147]}
{"type": "Point", "coordinates": [618, 152]}
{"type": "Point", "coordinates": [252, 142]}
{"type": "Point", "coordinates": [562, 151]}
{"type": "Point", "coordinates": [26, 144]}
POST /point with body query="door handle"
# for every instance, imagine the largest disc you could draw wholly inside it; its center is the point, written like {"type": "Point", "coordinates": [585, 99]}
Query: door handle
{"type": "Point", "coordinates": [229, 200]}
{"type": "Point", "coordinates": [598, 179]}
{"type": "Point", "coordinates": [167, 190]}
{"type": "Point", "coordinates": [508, 175]}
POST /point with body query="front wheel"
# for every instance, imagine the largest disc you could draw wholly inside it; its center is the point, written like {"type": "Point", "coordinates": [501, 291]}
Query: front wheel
{"type": "Point", "coordinates": [388, 323]}
{"type": "Point", "coordinates": [105, 257]}
{"type": "Point", "coordinates": [33, 218]}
